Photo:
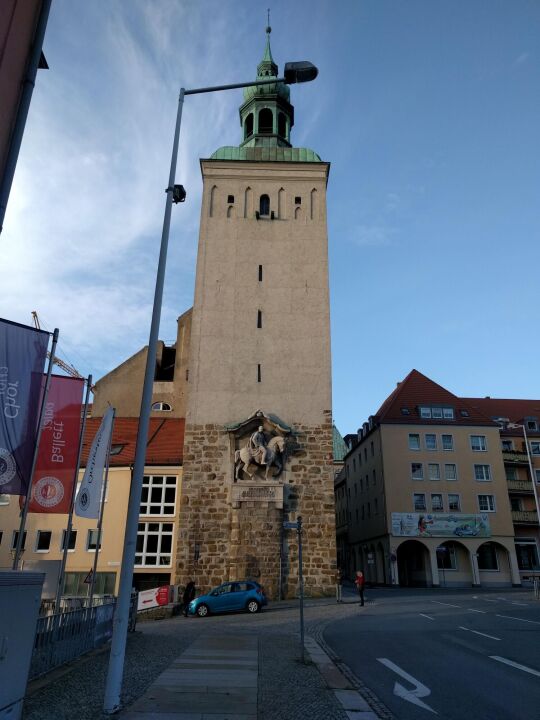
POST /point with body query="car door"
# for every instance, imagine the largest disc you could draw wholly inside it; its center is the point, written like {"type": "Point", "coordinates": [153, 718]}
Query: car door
{"type": "Point", "coordinates": [222, 601]}
{"type": "Point", "coordinates": [238, 596]}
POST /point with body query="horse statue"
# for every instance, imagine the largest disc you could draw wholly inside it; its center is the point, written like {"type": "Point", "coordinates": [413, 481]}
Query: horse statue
{"type": "Point", "coordinates": [248, 457]}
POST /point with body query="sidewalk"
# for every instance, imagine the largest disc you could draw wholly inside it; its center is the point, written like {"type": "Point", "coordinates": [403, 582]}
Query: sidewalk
{"type": "Point", "coordinates": [245, 677]}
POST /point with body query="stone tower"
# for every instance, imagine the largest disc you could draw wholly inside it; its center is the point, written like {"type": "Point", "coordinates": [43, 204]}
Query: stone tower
{"type": "Point", "coordinates": [258, 441]}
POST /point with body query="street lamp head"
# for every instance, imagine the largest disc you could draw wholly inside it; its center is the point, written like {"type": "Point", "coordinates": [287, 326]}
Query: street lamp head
{"type": "Point", "coordinates": [299, 72]}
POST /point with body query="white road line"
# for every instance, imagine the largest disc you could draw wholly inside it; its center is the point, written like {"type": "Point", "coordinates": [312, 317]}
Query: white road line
{"type": "Point", "coordinates": [426, 616]}
{"type": "Point", "coordinates": [511, 617]}
{"type": "Point", "coordinates": [488, 600]}
{"type": "Point", "coordinates": [516, 665]}
{"type": "Point", "coordinates": [505, 599]}
{"type": "Point", "coordinates": [478, 611]}
{"type": "Point", "coordinates": [477, 632]}
{"type": "Point", "coordinates": [441, 603]}
{"type": "Point", "coordinates": [518, 603]}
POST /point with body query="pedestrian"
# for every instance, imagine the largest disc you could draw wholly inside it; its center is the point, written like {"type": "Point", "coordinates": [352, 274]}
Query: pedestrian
{"type": "Point", "coordinates": [360, 581]}
{"type": "Point", "coordinates": [339, 582]}
{"type": "Point", "coordinates": [187, 597]}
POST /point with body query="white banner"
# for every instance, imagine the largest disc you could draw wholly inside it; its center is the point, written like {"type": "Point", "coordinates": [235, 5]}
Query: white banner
{"type": "Point", "coordinates": [89, 497]}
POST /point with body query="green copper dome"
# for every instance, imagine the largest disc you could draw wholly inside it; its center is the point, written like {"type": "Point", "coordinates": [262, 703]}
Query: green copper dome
{"type": "Point", "coordinates": [267, 68]}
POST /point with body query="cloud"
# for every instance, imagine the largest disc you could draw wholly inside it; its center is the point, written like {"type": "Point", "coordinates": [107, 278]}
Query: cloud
{"type": "Point", "coordinates": [84, 220]}
{"type": "Point", "coordinates": [521, 59]}
{"type": "Point", "coordinates": [374, 235]}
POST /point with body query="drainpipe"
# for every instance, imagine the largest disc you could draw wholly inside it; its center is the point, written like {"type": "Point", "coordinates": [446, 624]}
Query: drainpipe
{"type": "Point", "coordinates": [22, 112]}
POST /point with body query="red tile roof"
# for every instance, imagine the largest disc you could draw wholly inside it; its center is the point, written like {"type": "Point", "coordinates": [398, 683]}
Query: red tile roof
{"type": "Point", "coordinates": [416, 390]}
{"type": "Point", "coordinates": [165, 440]}
{"type": "Point", "coordinates": [515, 410]}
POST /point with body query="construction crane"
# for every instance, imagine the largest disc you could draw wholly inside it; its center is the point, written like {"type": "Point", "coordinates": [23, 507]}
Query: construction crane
{"type": "Point", "coordinates": [66, 367]}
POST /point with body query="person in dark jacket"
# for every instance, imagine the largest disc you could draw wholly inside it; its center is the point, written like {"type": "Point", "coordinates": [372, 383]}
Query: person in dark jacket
{"type": "Point", "coordinates": [187, 597]}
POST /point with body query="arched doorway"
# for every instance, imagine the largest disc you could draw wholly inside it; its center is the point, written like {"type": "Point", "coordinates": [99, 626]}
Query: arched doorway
{"type": "Point", "coordinates": [413, 564]}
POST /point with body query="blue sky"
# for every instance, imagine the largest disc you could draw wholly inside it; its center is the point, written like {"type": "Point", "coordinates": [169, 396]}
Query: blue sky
{"type": "Point", "coordinates": [428, 111]}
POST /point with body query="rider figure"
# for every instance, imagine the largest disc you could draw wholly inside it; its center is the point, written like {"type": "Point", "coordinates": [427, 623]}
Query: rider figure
{"type": "Point", "coordinates": [257, 443]}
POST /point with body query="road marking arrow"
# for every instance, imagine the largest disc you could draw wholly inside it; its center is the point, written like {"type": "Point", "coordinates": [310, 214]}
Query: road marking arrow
{"type": "Point", "coordinates": [412, 696]}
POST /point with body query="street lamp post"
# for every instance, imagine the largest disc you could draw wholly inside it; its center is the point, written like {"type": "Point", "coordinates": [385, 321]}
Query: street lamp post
{"type": "Point", "coordinates": [294, 72]}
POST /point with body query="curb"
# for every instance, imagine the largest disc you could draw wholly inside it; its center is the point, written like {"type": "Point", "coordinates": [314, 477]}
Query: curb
{"type": "Point", "coordinates": [351, 700]}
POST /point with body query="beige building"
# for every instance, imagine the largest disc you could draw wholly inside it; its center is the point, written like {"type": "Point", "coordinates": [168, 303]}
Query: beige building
{"type": "Point", "coordinates": [519, 423]}
{"type": "Point", "coordinates": [427, 496]}
{"type": "Point", "coordinates": [260, 361]}
{"type": "Point", "coordinates": [158, 527]}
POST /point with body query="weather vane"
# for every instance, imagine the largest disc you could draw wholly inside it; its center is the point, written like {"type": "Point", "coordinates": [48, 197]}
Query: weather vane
{"type": "Point", "coordinates": [268, 28]}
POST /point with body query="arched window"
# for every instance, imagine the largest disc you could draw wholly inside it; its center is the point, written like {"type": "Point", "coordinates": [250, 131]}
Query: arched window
{"type": "Point", "coordinates": [212, 201]}
{"type": "Point", "coordinates": [266, 121]}
{"type": "Point", "coordinates": [248, 200]}
{"type": "Point", "coordinates": [162, 406]}
{"type": "Point", "coordinates": [249, 125]}
{"type": "Point", "coordinates": [230, 211]}
{"type": "Point", "coordinates": [264, 205]}
{"type": "Point", "coordinates": [313, 204]}
{"type": "Point", "coordinates": [281, 125]}
{"type": "Point", "coordinates": [281, 204]}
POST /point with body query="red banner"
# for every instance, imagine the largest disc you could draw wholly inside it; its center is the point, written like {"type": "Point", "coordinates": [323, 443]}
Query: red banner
{"type": "Point", "coordinates": [53, 478]}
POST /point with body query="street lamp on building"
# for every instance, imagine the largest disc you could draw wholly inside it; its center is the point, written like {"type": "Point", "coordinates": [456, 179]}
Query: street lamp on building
{"type": "Point", "coordinates": [294, 72]}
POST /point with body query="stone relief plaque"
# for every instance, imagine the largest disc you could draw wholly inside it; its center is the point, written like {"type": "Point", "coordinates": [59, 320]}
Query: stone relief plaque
{"type": "Point", "coordinates": [242, 492]}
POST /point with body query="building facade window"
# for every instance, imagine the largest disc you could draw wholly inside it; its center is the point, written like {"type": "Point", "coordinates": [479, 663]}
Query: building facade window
{"type": "Point", "coordinates": [158, 495]}
{"type": "Point", "coordinates": [419, 500]}
{"type": "Point", "coordinates": [437, 502]}
{"type": "Point", "coordinates": [374, 478]}
{"type": "Point", "coordinates": [414, 441]}
{"type": "Point", "coordinates": [447, 442]}
{"type": "Point", "coordinates": [535, 448]}
{"type": "Point", "coordinates": [417, 471]}
{"type": "Point", "coordinates": [486, 503]}
{"type": "Point", "coordinates": [454, 502]}
{"type": "Point", "coordinates": [154, 545]}
{"type": "Point", "coordinates": [162, 406]}
{"type": "Point", "coordinates": [434, 471]}
{"type": "Point", "coordinates": [532, 425]}
{"type": "Point", "coordinates": [450, 471]}
{"type": "Point", "coordinates": [487, 557]}
{"type": "Point", "coordinates": [43, 541]}
{"type": "Point", "coordinates": [91, 540]}
{"type": "Point", "coordinates": [507, 445]}
{"type": "Point", "coordinates": [478, 443]}
{"type": "Point", "coordinates": [537, 473]}
{"type": "Point", "coordinates": [15, 538]}
{"type": "Point", "coordinates": [447, 557]}
{"type": "Point", "coordinates": [75, 586]}
{"type": "Point", "coordinates": [431, 441]}
{"type": "Point", "coordinates": [482, 473]}
{"type": "Point", "coordinates": [515, 504]}
{"type": "Point", "coordinates": [72, 540]}
{"type": "Point", "coordinates": [264, 206]}
{"type": "Point", "coordinates": [511, 473]}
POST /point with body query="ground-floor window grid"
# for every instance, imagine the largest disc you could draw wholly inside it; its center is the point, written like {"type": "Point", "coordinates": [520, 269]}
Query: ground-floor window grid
{"type": "Point", "coordinates": [154, 545]}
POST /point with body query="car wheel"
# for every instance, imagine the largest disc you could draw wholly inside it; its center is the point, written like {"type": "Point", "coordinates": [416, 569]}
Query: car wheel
{"type": "Point", "coordinates": [253, 606]}
{"type": "Point", "coordinates": [202, 610]}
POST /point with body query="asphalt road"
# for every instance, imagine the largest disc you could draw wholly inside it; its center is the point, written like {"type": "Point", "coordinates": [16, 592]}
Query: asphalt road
{"type": "Point", "coordinates": [462, 655]}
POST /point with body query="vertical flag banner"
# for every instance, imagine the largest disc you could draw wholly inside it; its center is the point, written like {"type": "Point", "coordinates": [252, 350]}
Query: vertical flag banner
{"type": "Point", "coordinates": [54, 474]}
{"type": "Point", "coordinates": [23, 351]}
{"type": "Point", "coordinates": [89, 497]}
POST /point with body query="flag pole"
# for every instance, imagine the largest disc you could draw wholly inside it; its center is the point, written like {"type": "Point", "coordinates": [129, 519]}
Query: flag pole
{"type": "Point", "coordinates": [72, 501]}
{"type": "Point", "coordinates": [100, 521]}
{"type": "Point", "coordinates": [28, 497]}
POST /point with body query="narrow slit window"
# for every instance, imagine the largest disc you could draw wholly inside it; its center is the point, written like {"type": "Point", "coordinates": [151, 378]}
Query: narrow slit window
{"type": "Point", "coordinates": [230, 199]}
{"type": "Point", "coordinates": [297, 200]}
{"type": "Point", "coordinates": [264, 205]}
{"type": "Point", "coordinates": [259, 318]}
{"type": "Point", "coordinates": [260, 273]}
{"type": "Point", "coordinates": [259, 373]}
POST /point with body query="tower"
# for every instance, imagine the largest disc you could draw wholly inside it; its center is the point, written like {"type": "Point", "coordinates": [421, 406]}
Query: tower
{"type": "Point", "coordinates": [258, 440]}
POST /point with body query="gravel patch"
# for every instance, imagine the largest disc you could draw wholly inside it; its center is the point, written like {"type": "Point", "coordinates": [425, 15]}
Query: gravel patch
{"type": "Point", "coordinates": [78, 693]}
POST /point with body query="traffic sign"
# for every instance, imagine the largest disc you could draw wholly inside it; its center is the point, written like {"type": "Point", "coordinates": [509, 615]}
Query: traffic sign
{"type": "Point", "coordinates": [290, 526]}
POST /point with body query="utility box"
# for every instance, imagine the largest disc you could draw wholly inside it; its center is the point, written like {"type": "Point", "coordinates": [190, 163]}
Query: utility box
{"type": "Point", "coordinates": [20, 599]}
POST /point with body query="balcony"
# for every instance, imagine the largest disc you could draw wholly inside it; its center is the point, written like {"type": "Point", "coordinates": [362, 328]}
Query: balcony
{"type": "Point", "coordinates": [515, 457]}
{"type": "Point", "coordinates": [524, 517]}
{"type": "Point", "coordinates": [520, 486]}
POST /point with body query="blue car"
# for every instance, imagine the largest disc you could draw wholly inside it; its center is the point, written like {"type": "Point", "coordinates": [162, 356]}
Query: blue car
{"type": "Point", "coordinates": [245, 595]}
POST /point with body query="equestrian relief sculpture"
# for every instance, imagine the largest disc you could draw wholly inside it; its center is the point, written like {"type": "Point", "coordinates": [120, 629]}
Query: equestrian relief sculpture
{"type": "Point", "coordinates": [258, 452]}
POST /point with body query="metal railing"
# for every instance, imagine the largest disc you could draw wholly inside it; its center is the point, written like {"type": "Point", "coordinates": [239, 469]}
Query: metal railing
{"type": "Point", "coordinates": [524, 516]}
{"type": "Point", "coordinates": [65, 636]}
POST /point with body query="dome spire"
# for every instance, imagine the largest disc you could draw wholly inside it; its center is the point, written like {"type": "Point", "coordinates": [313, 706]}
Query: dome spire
{"type": "Point", "coordinates": [268, 52]}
